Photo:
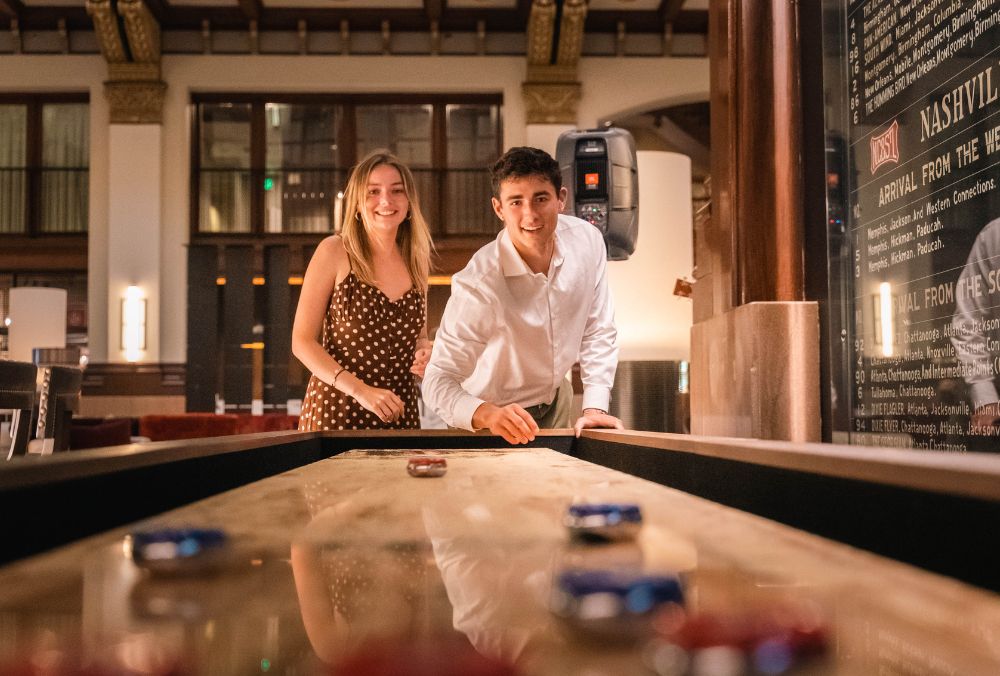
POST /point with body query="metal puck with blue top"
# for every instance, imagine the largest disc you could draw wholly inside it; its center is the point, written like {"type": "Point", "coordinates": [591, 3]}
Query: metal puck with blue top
{"type": "Point", "coordinates": [611, 603]}
{"type": "Point", "coordinates": [604, 521]}
{"type": "Point", "coordinates": [175, 549]}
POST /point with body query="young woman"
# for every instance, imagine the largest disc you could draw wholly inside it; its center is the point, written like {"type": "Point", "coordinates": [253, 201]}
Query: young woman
{"type": "Point", "coordinates": [361, 322]}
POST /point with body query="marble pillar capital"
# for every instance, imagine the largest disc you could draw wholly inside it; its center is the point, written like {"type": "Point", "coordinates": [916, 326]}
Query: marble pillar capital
{"type": "Point", "coordinates": [551, 102]}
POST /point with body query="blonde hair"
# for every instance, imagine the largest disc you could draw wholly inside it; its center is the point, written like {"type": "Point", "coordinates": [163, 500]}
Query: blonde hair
{"type": "Point", "coordinates": [413, 237]}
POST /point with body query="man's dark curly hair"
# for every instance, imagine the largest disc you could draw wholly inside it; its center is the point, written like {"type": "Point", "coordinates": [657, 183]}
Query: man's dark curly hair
{"type": "Point", "coordinates": [521, 162]}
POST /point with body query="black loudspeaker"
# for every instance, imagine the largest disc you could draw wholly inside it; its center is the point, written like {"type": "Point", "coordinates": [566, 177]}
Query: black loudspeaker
{"type": "Point", "coordinates": [601, 175]}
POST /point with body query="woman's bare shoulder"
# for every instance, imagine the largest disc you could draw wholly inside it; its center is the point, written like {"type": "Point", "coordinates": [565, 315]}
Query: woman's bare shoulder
{"type": "Point", "coordinates": [331, 251]}
{"type": "Point", "coordinates": [332, 246]}
{"type": "Point", "coordinates": [329, 263]}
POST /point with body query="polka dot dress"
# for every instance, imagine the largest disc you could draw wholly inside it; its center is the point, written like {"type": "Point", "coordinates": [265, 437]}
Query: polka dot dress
{"type": "Point", "coordinates": [373, 338]}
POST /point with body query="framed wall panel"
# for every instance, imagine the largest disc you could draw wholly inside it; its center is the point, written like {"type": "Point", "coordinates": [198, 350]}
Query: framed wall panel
{"type": "Point", "coordinates": [913, 222]}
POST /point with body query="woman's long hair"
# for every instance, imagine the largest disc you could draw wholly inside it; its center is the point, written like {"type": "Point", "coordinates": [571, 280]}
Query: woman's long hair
{"type": "Point", "coordinates": [413, 236]}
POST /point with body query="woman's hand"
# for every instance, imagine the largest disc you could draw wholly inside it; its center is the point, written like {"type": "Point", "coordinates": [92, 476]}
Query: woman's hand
{"type": "Point", "coordinates": [383, 403]}
{"type": "Point", "coordinates": [421, 356]}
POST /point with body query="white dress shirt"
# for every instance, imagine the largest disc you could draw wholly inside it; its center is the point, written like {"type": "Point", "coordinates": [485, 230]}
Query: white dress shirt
{"type": "Point", "coordinates": [509, 335]}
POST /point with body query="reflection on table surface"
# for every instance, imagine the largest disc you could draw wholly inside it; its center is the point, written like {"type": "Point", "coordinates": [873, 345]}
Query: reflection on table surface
{"type": "Point", "coordinates": [350, 562]}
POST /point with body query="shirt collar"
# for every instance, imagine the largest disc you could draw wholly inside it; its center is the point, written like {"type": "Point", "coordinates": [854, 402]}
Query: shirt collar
{"type": "Point", "coordinates": [511, 263]}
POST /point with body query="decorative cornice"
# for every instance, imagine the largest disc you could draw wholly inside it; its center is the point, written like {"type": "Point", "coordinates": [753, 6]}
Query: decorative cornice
{"type": "Point", "coordinates": [541, 25]}
{"type": "Point", "coordinates": [136, 102]}
{"type": "Point", "coordinates": [551, 74]}
{"type": "Point", "coordinates": [551, 102]}
{"type": "Point", "coordinates": [133, 72]}
{"type": "Point", "coordinates": [106, 28]}
{"type": "Point", "coordinates": [142, 29]}
{"type": "Point", "coordinates": [552, 91]}
{"type": "Point", "coordinates": [134, 90]}
{"type": "Point", "coordinates": [571, 32]}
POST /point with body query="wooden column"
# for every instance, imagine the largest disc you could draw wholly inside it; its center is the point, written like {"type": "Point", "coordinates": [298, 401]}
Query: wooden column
{"type": "Point", "coordinates": [201, 385]}
{"type": "Point", "coordinates": [755, 343]}
{"type": "Point", "coordinates": [755, 236]}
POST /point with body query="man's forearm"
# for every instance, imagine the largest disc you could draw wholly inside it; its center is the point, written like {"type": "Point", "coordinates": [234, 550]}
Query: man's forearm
{"type": "Point", "coordinates": [444, 394]}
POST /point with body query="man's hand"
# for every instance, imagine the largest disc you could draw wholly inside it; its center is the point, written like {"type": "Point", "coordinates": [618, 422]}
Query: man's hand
{"type": "Point", "coordinates": [421, 356]}
{"type": "Point", "coordinates": [593, 417]}
{"type": "Point", "coordinates": [511, 422]}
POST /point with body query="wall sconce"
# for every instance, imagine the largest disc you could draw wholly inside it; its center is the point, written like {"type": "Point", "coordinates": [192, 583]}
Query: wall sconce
{"type": "Point", "coordinates": [884, 335]}
{"type": "Point", "coordinates": [133, 341]}
{"type": "Point", "coordinates": [338, 212]}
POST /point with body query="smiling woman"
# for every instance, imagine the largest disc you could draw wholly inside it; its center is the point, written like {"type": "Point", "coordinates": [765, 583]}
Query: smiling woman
{"type": "Point", "coordinates": [361, 322]}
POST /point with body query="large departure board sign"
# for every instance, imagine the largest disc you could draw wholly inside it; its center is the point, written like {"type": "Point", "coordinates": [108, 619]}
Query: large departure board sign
{"type": "Point", "coordinates": [920, 140]}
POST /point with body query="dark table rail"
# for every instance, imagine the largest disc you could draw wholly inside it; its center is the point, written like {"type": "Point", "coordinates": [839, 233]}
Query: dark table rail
{"type": "Point", "coordinates": [932, 509]}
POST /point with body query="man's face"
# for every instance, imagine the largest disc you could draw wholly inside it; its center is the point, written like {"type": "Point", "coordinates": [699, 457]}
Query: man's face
{"type": "Point", "coordinates": [529, 207]}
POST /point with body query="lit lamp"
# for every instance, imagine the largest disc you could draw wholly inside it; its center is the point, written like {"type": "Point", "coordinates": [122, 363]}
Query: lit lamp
{"type": "Point", "coordinates": [37, 318]}
{"type": "Point", "coordinates": [338, 212]}
{"type": "Point", "coordinates": [883, 320]}
{"type": "Point", "coordinates": [133, 324]}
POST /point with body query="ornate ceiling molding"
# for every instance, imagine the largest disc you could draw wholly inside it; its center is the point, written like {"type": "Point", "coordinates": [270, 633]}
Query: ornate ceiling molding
{"type": "Point", "coordinates": [552, 91]}
{"type": "Point", "coordinates": [574, 12]}
{"type": "Point", "coordinates": [106, 28]}
{"type": "Point", "coordinates": [551, 102]}
{"type": "Point", "coordinates": [134, 89]}
{"type": "Point", "coordinates": [556, 73]}
{"type": "Point", "coordinates": [133, 72]}
{"type": "Point", "coordinates": [136, 102]}
{"type": "Point", "coordinates": [541, 26]}
{"type": "Point", "coordinates": [142, 30]}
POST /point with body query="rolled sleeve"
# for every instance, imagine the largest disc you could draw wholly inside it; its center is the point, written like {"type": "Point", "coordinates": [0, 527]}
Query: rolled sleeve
{"type": "Point", "coordinates": [599, 347]}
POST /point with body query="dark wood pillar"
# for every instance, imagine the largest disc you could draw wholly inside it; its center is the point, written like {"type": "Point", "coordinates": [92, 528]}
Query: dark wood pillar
{"type": "Point", "coordinates": [755, 235]}
{"type": "Point", "coordinates": [237, 327]}
{"type": "Point", "coordinates": [278, 325]}
{"type": "Point", "coordinates": [201, 384]}
{"type": "Point", "coordinates": [754, 361]}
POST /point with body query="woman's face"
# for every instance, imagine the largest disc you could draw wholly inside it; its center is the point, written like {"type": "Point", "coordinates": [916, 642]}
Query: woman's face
{"type": "Point", "coordinates": [386, 204]}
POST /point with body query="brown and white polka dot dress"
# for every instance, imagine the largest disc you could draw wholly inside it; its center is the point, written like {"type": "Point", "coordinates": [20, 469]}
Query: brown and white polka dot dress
{"type": "Point", "coordinates": [373, 338]}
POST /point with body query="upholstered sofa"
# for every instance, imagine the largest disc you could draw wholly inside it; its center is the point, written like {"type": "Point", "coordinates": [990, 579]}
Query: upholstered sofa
{"type": "Point", "coordinates": [198, 425]}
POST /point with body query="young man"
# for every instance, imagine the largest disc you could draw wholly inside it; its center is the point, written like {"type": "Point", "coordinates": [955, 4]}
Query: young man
{"type": "Point", "coordinates": [527, 306]}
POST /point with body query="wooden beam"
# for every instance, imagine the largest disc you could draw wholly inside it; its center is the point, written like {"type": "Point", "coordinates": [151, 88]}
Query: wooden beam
{"type": "Point", "coordinates": [251, 8]}
{"type": "Point", "coordinates": [46, 18]}
{"type": "Point", "coordinates": [433, 9]}
{"type": "Point", "coordinates": [12, 8]}
{"type": "Point", "coordinates": [646, 21]}
{"type": "Point", "coordinates": [158, 9]}
{"type": "Point", "coordinates": [24, 254]}
{"type": "Point", "coordinates": [670, 9]}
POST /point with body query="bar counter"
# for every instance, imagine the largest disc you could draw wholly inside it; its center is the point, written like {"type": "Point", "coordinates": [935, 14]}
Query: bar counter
{"type": "Point", "coordinates": [337, 552]}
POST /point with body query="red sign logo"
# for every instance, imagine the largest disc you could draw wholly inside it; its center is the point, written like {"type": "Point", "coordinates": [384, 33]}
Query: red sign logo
{"type": "Point", "coordinates": [885, 147]}
{"type": "Point", "coordinates": [591, 180]}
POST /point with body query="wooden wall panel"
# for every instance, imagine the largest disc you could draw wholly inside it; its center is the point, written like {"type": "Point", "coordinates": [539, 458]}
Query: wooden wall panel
{"type": "Point", "coordinates": [237, 325]}
{"type": "Point", "coordinates": [277, 325]}
{"type": "Point", "coordinates": [202, 328]}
